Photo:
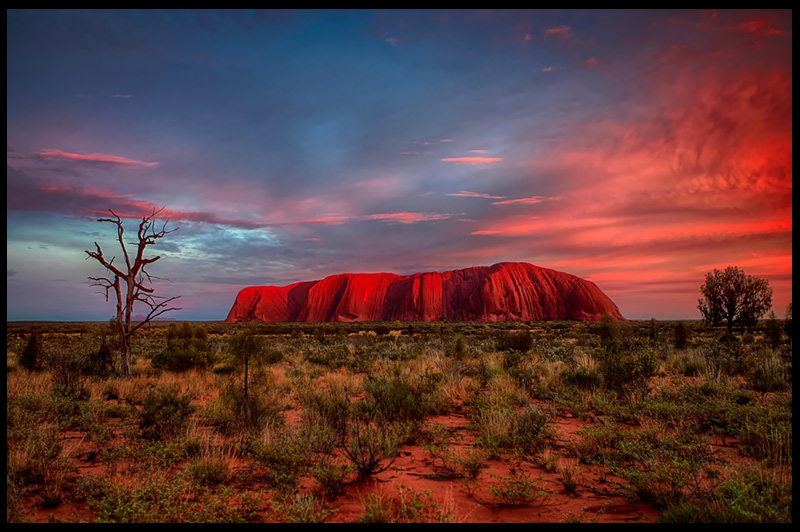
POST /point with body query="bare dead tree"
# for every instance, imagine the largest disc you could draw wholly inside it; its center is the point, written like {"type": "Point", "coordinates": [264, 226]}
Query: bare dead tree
{"type": "Point", "coordinates": [132, 283]}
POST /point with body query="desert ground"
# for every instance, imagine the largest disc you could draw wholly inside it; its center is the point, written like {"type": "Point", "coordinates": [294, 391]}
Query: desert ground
{"type": "Point", "coordinates": [401, 422]}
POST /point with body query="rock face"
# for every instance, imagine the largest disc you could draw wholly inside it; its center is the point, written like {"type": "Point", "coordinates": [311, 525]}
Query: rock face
{"type": "Point", "coordinates": [503, 292]}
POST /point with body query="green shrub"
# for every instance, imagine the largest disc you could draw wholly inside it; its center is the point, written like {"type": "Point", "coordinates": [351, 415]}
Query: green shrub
{"type": "Point", "coordinates": [607, 330]}
{"type": "Point", "coordinates": [256, 408]}
{"type": "Point", "coordinates": [301, 509]}
{"type": "Point", "coordinates": [187, 348]}
{"type": "Point", "coordinates": [626, 368]}
{"type": "Point", "coordinates": [514, 491]}
{"type": "Point", "coordinates": [504, 427]}
{"type": "Point", "coordinates": [69, 370]}
{"type": "Point", "coordinates": [284, 458]}
{"type": "Point", "coordinates": [399, 397]}
{"type": "Point", "coordinates": [460, 349]}
{"type": "Point", "coordinates": [211, 466]}
{"type": "Point", "coordinates": [331, 475]}
{"type": "Point", "coordinates": [745, 498]}
{"type": "Point", "coordinates": [165, 412]}
{"type": "Point", "coordinates": [767, 371]}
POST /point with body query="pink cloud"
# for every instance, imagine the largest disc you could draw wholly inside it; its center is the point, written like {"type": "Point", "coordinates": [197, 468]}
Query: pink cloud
{"type": "Point", "coordinates": [760, 26]}
{"type": "Point", "coordinates": [527, 201]}
{"type": "Point", "coordinates": [564, 32]}
{"type": "Point", "coordinates": [477, 151]}
{"type": "Point", "coordinates": [407, 217]}
{"type": "Point", "coordinates": [472, 160]}
{"type": "Point", "coordinates": [92, 158]}
{"type": "Point", "coordinates": [468, 194]}
{"type": "Point", "coordinates": [337, 219]}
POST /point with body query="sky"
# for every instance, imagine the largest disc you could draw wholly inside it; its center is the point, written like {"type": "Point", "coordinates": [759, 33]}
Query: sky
{"type": "Point", "coordinates": [636, 149]}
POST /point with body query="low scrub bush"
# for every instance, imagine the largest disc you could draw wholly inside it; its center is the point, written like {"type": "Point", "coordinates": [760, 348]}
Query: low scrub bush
{"type": "Point", "coordinates": [626, 368]}
{"type": "Point", "coordinates": [187, 348]}
{"type": "Point", "coordinates": [32, 356]}
{"type": "Point", "coordinates": [165, 412]}
{"type": "Point", "coordinates": [503, 427]}
{"type": "Point", "coordinates": [520, 341]}
{"type": "Point", "coordinates": [749, 497]}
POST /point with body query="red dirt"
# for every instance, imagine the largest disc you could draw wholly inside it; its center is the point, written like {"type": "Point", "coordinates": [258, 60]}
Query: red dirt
{"type": "Point", "coordinates": [598, 496]}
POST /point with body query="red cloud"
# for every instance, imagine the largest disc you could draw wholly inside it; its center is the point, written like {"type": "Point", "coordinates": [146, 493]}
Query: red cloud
{"type": "Point", "coordinates": [565, 32]}
{"type": "Point", "coordinates": [530, 200]}
{"type": "Point", "coordinates": [760, 26]}
{"type": "Point", "coordinates": [468, 194]}
{"type": "Point", "coordinates": [92, 158]}
{"type": "Point", "coordinates": [407, 217]}
{"type": "Point", "coordinates": [472, 160]}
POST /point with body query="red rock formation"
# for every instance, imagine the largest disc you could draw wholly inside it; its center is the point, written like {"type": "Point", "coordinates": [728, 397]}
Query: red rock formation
{"type": "Point", "coordinates": [503, 292]}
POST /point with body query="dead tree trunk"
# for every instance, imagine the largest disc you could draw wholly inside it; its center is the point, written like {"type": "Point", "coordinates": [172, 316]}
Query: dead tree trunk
{"type": "Point", "coordinates": [136, 282]}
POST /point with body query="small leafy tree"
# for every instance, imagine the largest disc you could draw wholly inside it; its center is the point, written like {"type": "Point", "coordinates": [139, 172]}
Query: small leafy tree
{"type": "Point", "coordinates": [732, 297]}
{"type": "Point", "coordinates": [247, 349]}
{"type": "Point", "coordinates": [253, 402]}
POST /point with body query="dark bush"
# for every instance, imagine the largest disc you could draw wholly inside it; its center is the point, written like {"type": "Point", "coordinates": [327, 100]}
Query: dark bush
{"type": "Point", "coordinates": [607, 330]}
{"type": "Point", "coordinates": [254, 410]}
{"type": "Point", "coordinates": [460, 349]}
{"type": "Point", "coordinates": [773, 332]}
{"type": "Point", "coordinates": [165, 412]}
{"type": "Point", "coordinates": [33, 354]}
{"type": "Point", "coordinates": [626, 367]}
{"type": "Point", "coordinates": [382, 330]}
{"type": "Point", "coordinates": [187, 348]}
{"type": "Point", "coordinates": [681, 335]}
{"type": "Point", "coordinates": [520, 341]}
{"type": "Point", "coordinates": [401, 397]}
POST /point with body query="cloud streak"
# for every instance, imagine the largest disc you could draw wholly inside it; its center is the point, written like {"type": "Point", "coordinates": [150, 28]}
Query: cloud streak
{"type": "Point", "coordinates": [563, 32]}
{"type": "Point", "coordinates": [468, 194]}
{"type": "Point", "coordinates": [472, 160]}
{"type": "Point", "coordinates": [99, 158]}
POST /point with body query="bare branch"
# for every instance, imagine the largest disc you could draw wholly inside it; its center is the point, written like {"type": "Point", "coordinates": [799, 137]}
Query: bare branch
{"type": "Point", "coordinates": [104, 282]}
{"type": "Point", "coordinates": [156, 309]}
{"type": "Point", "coordinates": [98, 255]}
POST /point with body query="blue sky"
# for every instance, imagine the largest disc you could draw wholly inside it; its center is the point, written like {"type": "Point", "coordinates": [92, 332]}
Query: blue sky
{"type": "Point", "coordinates": [637, 149]}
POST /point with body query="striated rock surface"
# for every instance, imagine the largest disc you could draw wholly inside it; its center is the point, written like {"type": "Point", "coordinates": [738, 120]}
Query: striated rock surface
{"type": "Point", "coordinates": [504, 292]}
